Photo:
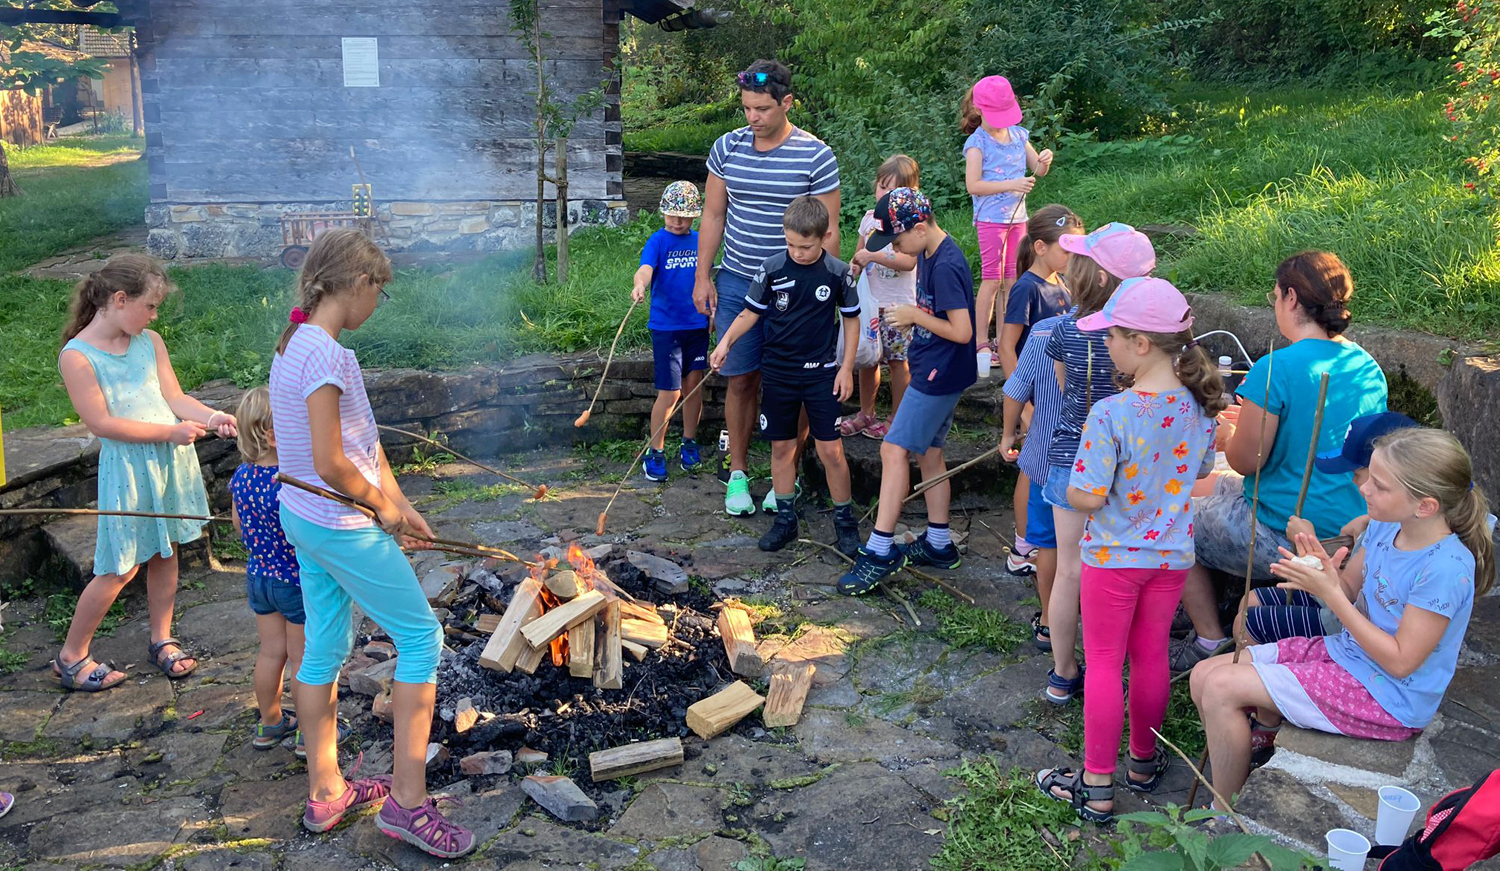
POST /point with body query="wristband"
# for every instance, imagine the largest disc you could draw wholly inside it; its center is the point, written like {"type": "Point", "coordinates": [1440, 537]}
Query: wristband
{"type": "Point", "coordinates": [209, 424]}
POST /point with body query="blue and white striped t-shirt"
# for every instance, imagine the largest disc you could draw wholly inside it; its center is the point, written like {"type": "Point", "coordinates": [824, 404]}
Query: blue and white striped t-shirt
{"type": "Point", "coordinates": [1035, 381]}
{"type": "Point", "coordinates": [761, 184]}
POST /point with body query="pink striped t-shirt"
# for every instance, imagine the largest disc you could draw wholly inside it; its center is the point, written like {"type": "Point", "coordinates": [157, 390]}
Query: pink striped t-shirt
{"type": "Point", "coordinates": [312, 359]}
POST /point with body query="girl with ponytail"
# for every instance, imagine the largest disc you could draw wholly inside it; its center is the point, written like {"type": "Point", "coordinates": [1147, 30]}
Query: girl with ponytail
{"type": "Point", "coordinates": [1427, 554]}
{"type": "Point", "coordinates": [121, 382]}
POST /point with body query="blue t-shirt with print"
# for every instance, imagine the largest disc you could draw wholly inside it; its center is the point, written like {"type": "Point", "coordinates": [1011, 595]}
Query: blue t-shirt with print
{"type": "Point", "coordinates": [944, 283]}
{"type": "Point", "coordinates": [256, 495]}
{"type": "Point", "coordinates": [1143, 452]}
{"type": "Point", "coordinates": [674, 263]}
{"type": "Point", "coordinates": [1356, 387]}
{"type": "Point", "coordinates": [1002, 161]}
{"type": "Point", "coordinates": [1438, 578]}
{"type": "Point", "coordinates": [1030, 299]}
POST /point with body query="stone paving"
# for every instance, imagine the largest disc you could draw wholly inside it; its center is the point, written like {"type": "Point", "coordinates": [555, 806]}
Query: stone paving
{"type": "Point", "coordinates": [139, 778]}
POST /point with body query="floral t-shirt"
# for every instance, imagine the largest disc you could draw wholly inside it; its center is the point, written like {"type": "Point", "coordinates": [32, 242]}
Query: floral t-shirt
{"type": "Point", "coordinates": [1143, 452]}
{"type": "Point", "coordinates": [255, 493]}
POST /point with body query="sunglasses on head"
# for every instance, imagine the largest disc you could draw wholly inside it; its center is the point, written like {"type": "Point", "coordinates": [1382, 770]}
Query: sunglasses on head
{"type": "Point", "coordinates": [754, 80]}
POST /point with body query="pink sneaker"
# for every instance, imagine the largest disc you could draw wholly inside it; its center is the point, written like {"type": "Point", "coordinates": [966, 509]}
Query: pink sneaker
{"type": "Point", "coordinates": [321, 816]}
{"type": "Point", "coordinates": [426, 829]}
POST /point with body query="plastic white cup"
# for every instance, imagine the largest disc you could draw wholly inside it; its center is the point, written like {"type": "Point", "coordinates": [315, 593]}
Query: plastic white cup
{"type": "Point", "coordinates": [983, 359]}
{"type": "Point", "coordinates": [1398, 807]}
{"type": "Point", "coordinates": [1347, 850]}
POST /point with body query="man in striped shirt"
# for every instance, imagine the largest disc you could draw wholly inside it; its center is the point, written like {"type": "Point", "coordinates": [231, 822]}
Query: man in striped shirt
{"type": "Point", "coordinates": [754, 174]}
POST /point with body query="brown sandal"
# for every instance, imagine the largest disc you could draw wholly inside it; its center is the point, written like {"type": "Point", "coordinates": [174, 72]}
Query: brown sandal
{"type": "Point", "coordinates": [165, 664]}
{"type": "Point", "coordinates": [67, 675]}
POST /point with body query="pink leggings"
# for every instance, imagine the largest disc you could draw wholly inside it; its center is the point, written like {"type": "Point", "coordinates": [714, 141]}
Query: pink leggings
{"type": "Point", "coordinates": [1125, 611]}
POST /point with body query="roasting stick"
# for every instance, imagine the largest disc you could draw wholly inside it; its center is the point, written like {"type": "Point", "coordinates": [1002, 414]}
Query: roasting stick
{"type": "Point", "coordinates": [1312, 446]}
{"type": "Point", "coordinates": [459, 547]}
{"type": "Point", "coordinates": [95, 512]}
{"type": "Point", "coordinates": [1260, 453]}
{"type": "Point", "coordinates": [935, 480]}
{"type": "Point", "coordinates": [588, 412]}
{"type": "Point", "coordinates": [537, 494]}
{"type": "Point", "coordinates": [599, 528]}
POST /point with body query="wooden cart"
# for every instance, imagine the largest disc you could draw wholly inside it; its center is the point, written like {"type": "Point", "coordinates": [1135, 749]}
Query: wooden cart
{"type": "Point", "coordinates": [299, 229]}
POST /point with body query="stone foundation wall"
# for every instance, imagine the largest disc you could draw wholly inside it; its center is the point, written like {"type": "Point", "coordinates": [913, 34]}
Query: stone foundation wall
{"type": "Point", "coordinates": [254, 229]}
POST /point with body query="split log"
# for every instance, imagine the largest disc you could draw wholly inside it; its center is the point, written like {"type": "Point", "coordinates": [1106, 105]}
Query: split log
{"type": "Point", "coordinates": [581, 649]}
{"type": "Point", "coordinates": [739, 643]}
{"type": "Point", "coordinates": [607, 664]}
{"type": "Point", "coordinates": [465, 715]}
{"type": "Point", "coordinates": [712, 716]}
{"type": "Point", "coordinates": [789, 685]}
{"type": "Point", "coordinates": [638, 651]}
{"type": "Point", "coordinates": [652, 635]}
{"type": "Point", "coordinates": [630, 606]}
{"type": "Point", "coordinates": [563, 584]}
{"type": "Point", "coordinates": [506, 643]}
{"type": "Point", "coordinates": [487, 623]}
{"type": "Point", "coordinates": [543, 629]}
{"type": "Point", "coordinates": [635, 758]}
{"type": "Point", "coordinates": [644, 613]}
{"type": "Point", "coordinates": [531, 657]}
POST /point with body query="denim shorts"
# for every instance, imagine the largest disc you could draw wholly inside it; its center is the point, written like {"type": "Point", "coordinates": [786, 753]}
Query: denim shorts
{"type": "Point", "coordinates": [1055, 492]}
{"type": "Point", "coordinates": [744, 357]}
{"type": "Point", "coordinates": [922, 421]}
{"type": "Point", "coordinates": [1040, 530]}
{"type": "Point", "coordinates": [275, 596]}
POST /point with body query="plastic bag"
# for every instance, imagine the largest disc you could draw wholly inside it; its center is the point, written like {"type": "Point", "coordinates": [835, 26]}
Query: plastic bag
{"type": "Point", "coordinates": [868, 353]}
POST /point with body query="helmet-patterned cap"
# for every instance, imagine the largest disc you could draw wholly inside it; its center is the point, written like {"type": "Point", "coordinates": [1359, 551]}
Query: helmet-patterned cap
{"type": "Point", "coordinates": [681, 200]}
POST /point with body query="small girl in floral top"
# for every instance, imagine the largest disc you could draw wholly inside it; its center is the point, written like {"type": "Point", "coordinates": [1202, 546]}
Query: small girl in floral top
{"type": "Point", "coordinates": [272, 583]}
{"type": "Point", "coordinates": [1140, 453]}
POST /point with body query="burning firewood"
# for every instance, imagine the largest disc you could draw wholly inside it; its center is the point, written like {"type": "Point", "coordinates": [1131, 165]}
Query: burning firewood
{"type": "Point", "coordinates": [507, 643]}
{"type": "Point", "coordinates": [581, 648]}
{"type": "Point", "coordinates": [556, 621]}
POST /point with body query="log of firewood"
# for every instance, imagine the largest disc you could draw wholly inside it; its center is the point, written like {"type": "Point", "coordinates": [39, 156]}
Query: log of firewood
{"type": "Point", "coordinates": [487, 623]}
{"type": "Point", "coordinates": [543, 629]}
{"type": "Point", "coordinates": [739, 643]}
{"type": "Point", "coordinates": [635, 759]}
{"type": "Point", "coordinates": [506, 643]}
{"type": "Point", "coordinates": [563, 584]}
{"type": "Point", "coordinates": [788, 693]}
{"type": "Point", "coordinates": [637, 651]}
{"type": "Point", "coordinates": [531, 657]}
{"type": "Point", "coordinates": [630, 606]}
{"type": "Point", "coordinates": [652, 635]}
{"type": "Point", "coordinates": [581, 649]}
{"type": "Point", "coordinates": [712, 716]}
{"type": "Point", "coordinates": [607, 665]}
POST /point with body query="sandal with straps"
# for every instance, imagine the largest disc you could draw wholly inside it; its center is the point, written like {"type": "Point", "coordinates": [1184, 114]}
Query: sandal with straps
{"type": "Point", "coordinates": [95, 682]}
{"type": "Point", "coordinates": [1079, 793]}
{"type": "Point", "coordinates": [166, 663]}
{"type": "Point", "coordinates": [1156, 766]}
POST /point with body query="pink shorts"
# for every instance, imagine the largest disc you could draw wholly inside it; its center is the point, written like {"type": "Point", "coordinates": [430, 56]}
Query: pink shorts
{"type": "Point", "coordinates": [992, 239]}
{"type": "Point", "coordinates": [1314, 692]}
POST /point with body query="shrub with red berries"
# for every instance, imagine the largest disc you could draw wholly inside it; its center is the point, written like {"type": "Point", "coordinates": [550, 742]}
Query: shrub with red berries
{"type": "Point", "coordinates": [1474, 26]}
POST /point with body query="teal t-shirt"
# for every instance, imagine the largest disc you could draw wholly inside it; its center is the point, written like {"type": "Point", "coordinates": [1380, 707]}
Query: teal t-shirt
{"type": "Point", "coordinates": [1356, 387]}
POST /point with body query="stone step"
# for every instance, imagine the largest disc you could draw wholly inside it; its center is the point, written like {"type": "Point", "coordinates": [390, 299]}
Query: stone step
{"type": "Point", "coordinates": [72, 539]}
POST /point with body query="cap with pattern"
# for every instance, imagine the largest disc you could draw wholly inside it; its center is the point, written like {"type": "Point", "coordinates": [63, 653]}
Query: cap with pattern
{"type": "Point", "coordinates": [681, 200]}
{"type": "Point", "coordinates": [897, 212]}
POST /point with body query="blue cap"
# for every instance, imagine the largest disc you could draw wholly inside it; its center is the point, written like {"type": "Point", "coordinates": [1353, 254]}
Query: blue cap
{"type": "Point", "coordinates": [1359, 442]}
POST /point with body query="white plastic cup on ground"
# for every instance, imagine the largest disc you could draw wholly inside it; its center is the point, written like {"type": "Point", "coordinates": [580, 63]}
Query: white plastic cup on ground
{"type": "Point", "coordinates": [1398, 807]}
{"type": "Point", "coordinates": [1347, 850]}
{"type": "Point", "coordinates": [983, 359]}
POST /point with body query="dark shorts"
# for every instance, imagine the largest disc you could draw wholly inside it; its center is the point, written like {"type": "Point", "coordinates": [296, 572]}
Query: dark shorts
{"type": "Point", "coordinates": [1289, 614]}
{"type": "Point", "coordinates": [275, 596]}
{"type": "Point", "coordinates": [676, 352]}
{"type": "Point", "coordinates": [782, 400]}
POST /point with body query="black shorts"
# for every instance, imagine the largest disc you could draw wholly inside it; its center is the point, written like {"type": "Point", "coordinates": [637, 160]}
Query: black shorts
{"type": "Point", "coordinates": [782, 399]}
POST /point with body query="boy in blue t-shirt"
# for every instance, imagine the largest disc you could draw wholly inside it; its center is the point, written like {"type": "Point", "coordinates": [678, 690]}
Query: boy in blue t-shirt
{"type": "Point", "coordinates": [941, 357]}
{"type": "Point", "coordinates": [679, 334]}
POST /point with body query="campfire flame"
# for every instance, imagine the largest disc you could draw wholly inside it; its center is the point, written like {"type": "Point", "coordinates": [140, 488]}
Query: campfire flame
{"type": "Point", "coordinates": [538, 572]}
{"type": "Point", "coordinates": [582, 565]}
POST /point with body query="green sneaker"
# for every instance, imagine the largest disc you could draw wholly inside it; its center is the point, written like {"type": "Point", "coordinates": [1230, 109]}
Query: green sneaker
{"type": "Point", "coordinates": [737, 498]}
{"type": "Point", "coordinates": [769, 505]}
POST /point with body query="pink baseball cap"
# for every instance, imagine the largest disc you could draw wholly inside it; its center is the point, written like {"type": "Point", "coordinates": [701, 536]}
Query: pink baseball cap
{"type": "Point", "coordinates": [1119, 249]}
{"type": "Point", "coordinates": [996, 101]}
{"type": "Point", "coordinates": [1151, 305]}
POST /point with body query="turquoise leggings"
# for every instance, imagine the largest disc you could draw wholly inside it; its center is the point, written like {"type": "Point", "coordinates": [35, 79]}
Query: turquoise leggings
{"type": "Point", "coordinates": [341, 567]}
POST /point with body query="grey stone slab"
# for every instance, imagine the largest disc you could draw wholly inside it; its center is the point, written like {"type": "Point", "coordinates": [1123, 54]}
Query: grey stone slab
{"type": "Point", "coordinates": [321, 855]}
{"type": "Point", "coordinates": [1482, 640]}
{"type": "Point", "coordinates": [730, 759]}
{"type": "Point", "coordinates": [859, 817]}
{"type": "Point", "coordinates": [1383, 757]}
{"type": "Point", "coordinates": [841, 694]}
{"type": "Point", "coordinates": [561, 797]}
{"type": "Point", "coordinates": [832, 736]}
{"type": "Point", "coordinates": [673, 860]}
{"type": "Point", "coordinates": [22, 713]}
{"type": "Point", "coordinates": [1472, 698]}
{"type": "Point", "coordinates": [537, 844]}
{"type": "Point", "coordinates": [495, 532]}
{"type": "Point", "coordinates": [718, 854]}
{"type": "Point", "coordinates": [226, 859]}
{"type": "Point", "coordinates": [110, 717]}
{"type": "Point", "coordinates": [671, 810]}
{"type": "Point", "coordinates": [1282, 803]}
{"type": "Point", "coordinates": [178, 755]}
{"type": "Point", "coordinates": [220, 703]}
{"type": "Point", "coordinates": [218, 628]}
{"type": "Point", "coordinates": [1465, 754]}
{"type": "Point", "coordinates": [152, 830]}
{"type": "Point", "coordinates": [264, 809]}
{"type": "Point", "coordinates": [998, 700]}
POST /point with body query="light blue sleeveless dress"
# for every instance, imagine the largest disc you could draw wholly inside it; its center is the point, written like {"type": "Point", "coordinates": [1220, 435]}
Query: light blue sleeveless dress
{"type": "Point", "coordinates": [140, 476]}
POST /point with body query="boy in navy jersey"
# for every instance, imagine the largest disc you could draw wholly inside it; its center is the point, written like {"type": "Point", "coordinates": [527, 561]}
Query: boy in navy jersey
{"type": "Point", "coordinates": [796, 292]}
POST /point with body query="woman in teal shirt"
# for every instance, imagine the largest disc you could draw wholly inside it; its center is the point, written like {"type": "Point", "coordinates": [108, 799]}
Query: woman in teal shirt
{"type": "Point", "coordinates": [1311, 301]}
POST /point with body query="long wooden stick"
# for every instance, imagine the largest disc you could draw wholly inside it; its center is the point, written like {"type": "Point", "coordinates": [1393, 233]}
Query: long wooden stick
{"type": "Point", "coordinates": [933, 481]}
{"type": "Point", "coordinates": [588, 412]}
{"type": "Point", "coordinates": [938, 582]}
{"type": "Point", "coordinates": [1198, 773]}
{"type": "Point", "coordinates": [1312, 445]}
{"type": "Point", "coordinates": [95, 512]}
{"type": "Point", "coordinates": [538, 492]}
{"type": "Point", "coordinates": [599, 527]}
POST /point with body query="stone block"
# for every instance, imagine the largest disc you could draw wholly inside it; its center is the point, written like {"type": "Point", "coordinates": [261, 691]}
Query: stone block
{"type": "Point", "coordinates": [163, 244]}
{"type": "Point", "coordinates": [158, 216]}
{"type": "Point", "coordinates": [379, 651]}
{"type": "Point", "coordinates": [373, 680]}
{"type": "Point", "coordinates": [1385, 757]}
{"type": "Point", "coordinates": [470, 226]}
{"type": "Point", "coordinates": [383, 707]}
{"type": "Point", "coordinates": [412, 209]}
{"type": "Point", "coordinates": [188, 214]}
{"type": "Point", "coordinates": [1469, 400]}
{"type": "Point", "coordinates": [206, 240]}
{"type": "Point", "coordinates": [561, 797]}
{"type": "Point", "coordinates": [437, 756]}
{"type": "Point", "coordinates": [488, 762]}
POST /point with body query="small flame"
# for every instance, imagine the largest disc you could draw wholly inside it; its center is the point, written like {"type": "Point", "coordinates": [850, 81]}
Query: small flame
{"type": "Point", "coordinates": [582, 565]}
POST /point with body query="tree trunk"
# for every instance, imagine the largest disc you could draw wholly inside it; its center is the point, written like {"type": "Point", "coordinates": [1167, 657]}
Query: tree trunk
{"type": "Point", "coordinates": [539, 266]}
{"type": "Point", "coordinates": [137, 117]}
{"type": "Point", "coordinates": [8, 186]}
{"type": "Point", "coordinates": [562, 210]}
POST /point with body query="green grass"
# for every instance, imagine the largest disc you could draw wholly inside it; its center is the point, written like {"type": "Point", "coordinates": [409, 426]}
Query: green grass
{"type": "Point", "coordinates": [965, 625]}
{"type": "Point", "coordinates": [74, 191]}
{"type": "Point", "coordinates": [692, 138]}
{"type": "Point", "coordinates": [1001, 821]}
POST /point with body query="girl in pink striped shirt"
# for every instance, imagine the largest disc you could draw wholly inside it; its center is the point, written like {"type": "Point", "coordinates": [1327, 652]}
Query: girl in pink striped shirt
{"type": "Point", "coordinates": [326, 435]}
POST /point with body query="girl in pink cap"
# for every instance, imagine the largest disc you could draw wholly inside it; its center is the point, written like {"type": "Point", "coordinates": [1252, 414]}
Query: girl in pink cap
{"type": "Point", "coordinates": [1142, 449]}
{"type": "Point", "coordinates": [997, 156]}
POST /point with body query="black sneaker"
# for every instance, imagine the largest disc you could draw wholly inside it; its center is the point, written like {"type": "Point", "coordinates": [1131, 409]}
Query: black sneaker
{"type": "Point", "coordinates": [724, 470]}
{"type": "Point", "coordinates": [847, 530]}
{"type": "Point", "coordinates": [869, 570]}
{"type": "Point", "coordinates": [782, 533]}
{"type": "Point", "coordinates": [922, 553]}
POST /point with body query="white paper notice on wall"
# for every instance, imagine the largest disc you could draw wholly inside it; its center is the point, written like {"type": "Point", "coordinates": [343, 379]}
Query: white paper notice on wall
{"type": "Point", "coordinates": [361, 62]}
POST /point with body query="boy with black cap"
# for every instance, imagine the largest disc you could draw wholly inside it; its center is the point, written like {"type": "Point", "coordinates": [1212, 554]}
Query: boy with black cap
{"type": "Point", "coordinates": [796, 292]}
{"type": "Point", "coordinates": [941, 357]}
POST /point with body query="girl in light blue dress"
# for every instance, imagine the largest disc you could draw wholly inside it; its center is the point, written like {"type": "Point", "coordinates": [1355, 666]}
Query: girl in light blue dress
{"type": "Point", "coordinates": [121, 383]}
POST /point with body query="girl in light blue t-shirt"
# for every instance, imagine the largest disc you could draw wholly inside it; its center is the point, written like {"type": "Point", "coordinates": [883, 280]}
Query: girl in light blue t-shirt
{"type": "Point", "coordinates": [1427, 555]}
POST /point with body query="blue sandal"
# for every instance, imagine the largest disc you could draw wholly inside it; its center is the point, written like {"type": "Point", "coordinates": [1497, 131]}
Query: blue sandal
{"type": "Point", "coordinates": [1066, 688]}
{"type": "Point", "coordinates": [1156, 766]}
{"type": "Point", "coordinates": [299, 748]}
{"type": "Point", "coordinates": [267, 737]}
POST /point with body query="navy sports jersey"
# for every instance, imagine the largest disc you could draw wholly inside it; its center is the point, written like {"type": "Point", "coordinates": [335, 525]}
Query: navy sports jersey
{"type": "Point", "coordinates": [796, 305]}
